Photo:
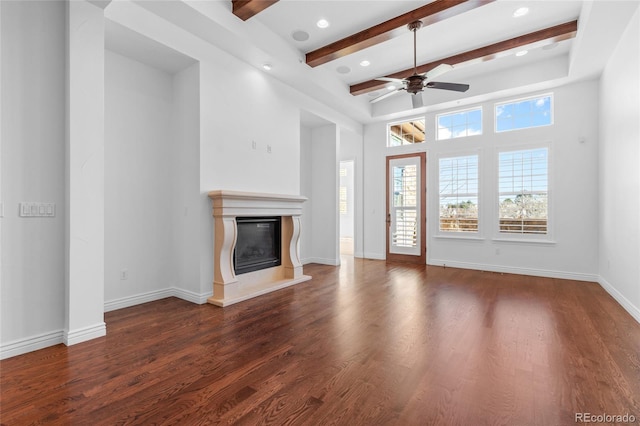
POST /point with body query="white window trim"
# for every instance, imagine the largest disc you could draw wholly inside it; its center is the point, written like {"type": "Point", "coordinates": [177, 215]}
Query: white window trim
{"type": "Point", "coordinates": [514, 101]}
{"type": "Point", "coordinates": [478, 235]}
{"type": "Point", "coordinates": [478, 107]}
{"type": "Point", "coordinates": [547, 238]}
{"type": "Point", "coordinates": [404, 120]}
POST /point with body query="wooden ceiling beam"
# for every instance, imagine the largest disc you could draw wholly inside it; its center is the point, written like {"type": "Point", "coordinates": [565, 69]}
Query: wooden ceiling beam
{"type": "Point", "coordinates": [431, 13]}
{"type": "Point", "coordinates": [536, 39]}
{"type": "Point", "coordinates": [245, 9]}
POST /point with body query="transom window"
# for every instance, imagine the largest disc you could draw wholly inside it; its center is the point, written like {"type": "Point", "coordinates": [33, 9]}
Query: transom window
{"type": "Point", "coordinates": [524, 113]}
{"type": "Point", "coordinates": [459, 124]}
{"type": "Point", "coordinates": [458, 181]}
{"type": "Point", "coordinates": [523, 191]}
{"type": "Point", "coordinates": [406, 133]}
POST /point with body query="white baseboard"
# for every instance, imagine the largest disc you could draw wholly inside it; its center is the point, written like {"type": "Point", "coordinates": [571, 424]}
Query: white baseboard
{"type": "Point", "coordinates": [137, 299]}
{"type": "Point", "coordinates": [41, 341]}
{"type": "Point", "coordinates": [152, 296]}
{"type": "Point", "coordinates": [375, 256]}
{"type": "Point", "coordinates": [578, 276]}
{"type": "Point", "coordinates": [73, 337]}
{"type": "Point", "coordinates": [322, 261]}
{"type": "Point", "coordinates": [190, 296]}
{"type": "Point", "coordinates": [633, 310]}
{"type": "Point", "coordinates": [30, 344]}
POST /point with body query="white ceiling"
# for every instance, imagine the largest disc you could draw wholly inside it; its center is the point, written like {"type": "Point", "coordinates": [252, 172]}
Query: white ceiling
{"type": "Point", "coordinates": [129, 43]}
{"type": "Point", "coordinates": [267, 37]}
{"type": "Point", "coordinates": [488, 24]}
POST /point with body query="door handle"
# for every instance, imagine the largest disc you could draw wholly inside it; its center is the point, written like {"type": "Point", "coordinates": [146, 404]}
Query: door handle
{"type": "Point", "coordinates": [389, 219]}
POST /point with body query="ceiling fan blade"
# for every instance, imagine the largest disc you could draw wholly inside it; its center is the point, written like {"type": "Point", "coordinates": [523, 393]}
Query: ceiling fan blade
{"type": "Point", "coordinates": [394, 80]}
{"type": "Point", "coordinates": [386, 95]}
{"type": "Point", "coordinates": [456, 87]}
{"type": "Point", "coordinates": [417, 101]}
{"type": "Point", "coordinates": [439, 70]}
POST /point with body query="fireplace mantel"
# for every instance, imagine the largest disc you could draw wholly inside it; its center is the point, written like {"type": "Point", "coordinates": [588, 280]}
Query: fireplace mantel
{"type": "Point", "coordinates": [229, 288]}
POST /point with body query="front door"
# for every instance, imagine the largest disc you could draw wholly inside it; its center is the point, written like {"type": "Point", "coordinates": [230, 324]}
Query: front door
{"type": "Point", "coordinates": [406, 201]}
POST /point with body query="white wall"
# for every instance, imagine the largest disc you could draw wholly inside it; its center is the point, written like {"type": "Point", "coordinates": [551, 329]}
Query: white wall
{"type": "Point", "coordinates": [139, 178]}
{"type": "Point", "coordinates": [306, 175]}
{"type": "Point", "coordinates": [351, 148]}
{"type": "Point", "coordinates": [619, 155]}
{"type": "Point", "coordinates": [152, 183]}
{"type": "Point", "coordinates": [185, 177]}
{"type": "Point", "coordinates": [325, 141]}
{"type": "Point", "coordinates": [573, 175]}
{"type": "Point", "coordinates": [84, 173]}
{"type": "Point", "coordinates": [32, 292]}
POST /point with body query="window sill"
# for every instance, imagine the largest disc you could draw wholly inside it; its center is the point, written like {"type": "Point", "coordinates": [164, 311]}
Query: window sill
{"type": "Point", "coordinates": [524, 241]}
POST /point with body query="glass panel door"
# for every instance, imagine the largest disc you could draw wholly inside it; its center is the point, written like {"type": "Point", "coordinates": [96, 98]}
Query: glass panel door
{"type": "Point", "coordinates": [404, 217]}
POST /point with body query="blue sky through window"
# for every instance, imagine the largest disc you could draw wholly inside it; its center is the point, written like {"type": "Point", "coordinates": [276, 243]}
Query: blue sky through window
{"type": "Point", "coordinates": [460, 124]}
{"type": "Point", "coordinates": [523, 114]}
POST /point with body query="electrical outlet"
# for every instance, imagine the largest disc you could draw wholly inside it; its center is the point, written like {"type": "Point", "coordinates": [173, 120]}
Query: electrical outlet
{"type": "Point", "coordinates": [269, 149]}
{"type": "Point", "coordinates": [124, 274]}
{"type": "Point", "coordinates": [254, 145]}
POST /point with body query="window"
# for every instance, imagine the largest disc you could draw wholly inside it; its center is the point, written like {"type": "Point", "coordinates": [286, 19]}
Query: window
{"type": "Point", "coordinates": [523, 191]}
{"type": "Point", "coordinates": [459, 124]}
{"type": "Point", "coordinates": [525, 113]}
{"type": "Point", "coordinates": [458, 181]}
{"type": "Point", "coordinates": [406, 133]}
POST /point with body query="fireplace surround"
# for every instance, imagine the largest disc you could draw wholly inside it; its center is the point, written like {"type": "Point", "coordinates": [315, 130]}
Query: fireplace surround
{"type": "Point", "coordinates": [230, 207]}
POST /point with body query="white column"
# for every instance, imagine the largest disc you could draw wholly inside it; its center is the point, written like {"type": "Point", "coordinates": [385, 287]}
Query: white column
{"type": "Point", "coordinates": [84, 173]}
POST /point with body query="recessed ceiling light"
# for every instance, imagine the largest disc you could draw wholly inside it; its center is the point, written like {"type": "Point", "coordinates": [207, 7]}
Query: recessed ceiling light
{"type": "Point", "coordinates": [300, 35]}
{"type": "Point", "coordinates": [322, 23]}
{"type": "Point", "coordinates": [365, 63]}
{"type": "Point", "coordinates": [391, 87]}
{"type": "Point", "coordinates": [343, 69]}
{"type": "Point", "coordinates": [520, 12]}
{"type": "Point", "coordinates": [522, 52]}
{"type": "Point", "coordinates": [267, 67]}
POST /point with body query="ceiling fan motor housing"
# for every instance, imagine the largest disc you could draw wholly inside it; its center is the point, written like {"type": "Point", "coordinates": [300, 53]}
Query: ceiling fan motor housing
{"type": "Point", "coordinates": [415, 83]}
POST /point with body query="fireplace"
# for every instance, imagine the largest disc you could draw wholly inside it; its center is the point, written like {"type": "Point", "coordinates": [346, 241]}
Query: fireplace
{"type": "Point", "coordinates": [257, 244]}
{"type": "Point", "coordinates": [243, 269]}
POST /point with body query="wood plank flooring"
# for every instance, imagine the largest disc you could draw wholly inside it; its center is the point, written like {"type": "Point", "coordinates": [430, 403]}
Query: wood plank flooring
{"type": "Point", "coordinates": [367, 343]}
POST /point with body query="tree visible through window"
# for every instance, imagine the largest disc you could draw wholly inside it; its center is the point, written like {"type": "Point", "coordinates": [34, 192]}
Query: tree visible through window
{"type": "Point", "coordinates": [523, 191]}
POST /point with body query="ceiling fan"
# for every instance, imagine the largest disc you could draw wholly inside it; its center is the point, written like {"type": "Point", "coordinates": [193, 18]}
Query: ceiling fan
{"type": "Point", "coordinates": [415, 83]}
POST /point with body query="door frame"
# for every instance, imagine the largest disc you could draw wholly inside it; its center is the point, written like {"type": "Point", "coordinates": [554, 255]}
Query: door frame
{"type": "Point", "coordinates": [422, 181]}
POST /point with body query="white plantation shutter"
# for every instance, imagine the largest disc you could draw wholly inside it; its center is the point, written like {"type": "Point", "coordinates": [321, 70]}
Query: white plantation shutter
{"type": "Point", "coordinates": [405, 206]}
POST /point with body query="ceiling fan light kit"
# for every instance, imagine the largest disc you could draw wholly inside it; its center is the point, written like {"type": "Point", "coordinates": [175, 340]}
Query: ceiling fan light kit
{"type": "Point", "coordinates": [416, 83]}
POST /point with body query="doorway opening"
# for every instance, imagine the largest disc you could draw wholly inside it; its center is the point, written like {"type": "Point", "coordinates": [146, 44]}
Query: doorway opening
{"type": "Point", "coordinates": [346, 207]}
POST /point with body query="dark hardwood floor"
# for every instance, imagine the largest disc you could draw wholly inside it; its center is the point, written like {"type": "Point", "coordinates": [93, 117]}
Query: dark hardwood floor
{"type": "Point", "coordinates": [362, 344]}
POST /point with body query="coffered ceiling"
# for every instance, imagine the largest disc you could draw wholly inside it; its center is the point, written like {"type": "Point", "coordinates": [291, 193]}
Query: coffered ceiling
{"type": "Point", "coordinates": [565, 41]}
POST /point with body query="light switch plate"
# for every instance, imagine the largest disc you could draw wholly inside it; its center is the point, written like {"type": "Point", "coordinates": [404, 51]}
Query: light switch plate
{"type": "Point", "coordinates": [33, 209]}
